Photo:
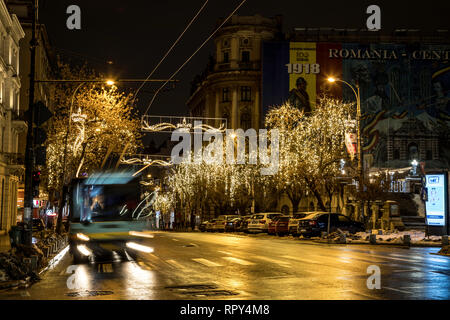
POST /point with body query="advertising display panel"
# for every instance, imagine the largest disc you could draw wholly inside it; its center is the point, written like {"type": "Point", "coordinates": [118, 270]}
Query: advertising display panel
{"type": "Point", "coordinates": [404, 90]}
{"type": "Point", "coordinates": [436, 204]}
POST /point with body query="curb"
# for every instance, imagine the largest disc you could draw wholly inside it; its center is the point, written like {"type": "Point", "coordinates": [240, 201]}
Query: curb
{"type": "Point", "coordinates": [392, 244]}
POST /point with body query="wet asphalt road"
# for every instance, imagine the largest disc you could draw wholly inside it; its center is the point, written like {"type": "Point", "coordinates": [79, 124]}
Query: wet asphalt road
{"type": "Point", "coordinates": [233, 266]}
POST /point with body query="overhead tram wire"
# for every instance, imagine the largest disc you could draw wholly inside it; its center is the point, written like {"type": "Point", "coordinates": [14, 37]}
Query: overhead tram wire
{"type": "Point", "coordinates": [195, 52]}
{"type": "Point", "coordinates": [170, 49]}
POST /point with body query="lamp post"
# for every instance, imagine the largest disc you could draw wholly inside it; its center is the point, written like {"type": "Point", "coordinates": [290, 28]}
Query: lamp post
{"type": "Point", "coordinates": [358, 123]}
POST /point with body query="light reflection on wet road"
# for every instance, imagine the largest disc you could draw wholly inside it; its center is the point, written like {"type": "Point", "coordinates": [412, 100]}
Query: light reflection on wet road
{"type": "Point", "coordinates": [229, 266]}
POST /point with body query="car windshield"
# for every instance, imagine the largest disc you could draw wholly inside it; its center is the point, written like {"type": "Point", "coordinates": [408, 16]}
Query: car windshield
{"type": "Point", "coordinates": [299, 215]}
{"type": "Point", "coordinates": [271, 216]}
{"type": "Point", "coordinates": [284, 219]}
{"type": "Point", "coordinates": [258, 216]}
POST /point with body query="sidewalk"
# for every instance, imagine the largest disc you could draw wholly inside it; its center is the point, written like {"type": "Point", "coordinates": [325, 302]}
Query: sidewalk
{"type": "Point", "coordinates": [5, 244]}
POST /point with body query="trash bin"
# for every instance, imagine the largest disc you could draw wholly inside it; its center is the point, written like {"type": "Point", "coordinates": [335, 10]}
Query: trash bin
{"type": "Point", "coordinates": [15, 236]}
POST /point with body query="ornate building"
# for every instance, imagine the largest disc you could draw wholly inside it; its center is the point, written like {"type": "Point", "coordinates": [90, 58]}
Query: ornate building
{"type": "Point", "coordinates": [11, 162]}
{"type": "Point", "coordinates": [230, 87]}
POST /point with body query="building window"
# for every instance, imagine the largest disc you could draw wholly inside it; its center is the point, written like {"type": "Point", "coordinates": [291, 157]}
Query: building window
{"type": "Point", "coordinates": [413, 151]}
{"type": "Point", "coordinates": [246, 93]}
{"type": "Point", "coordinates": [226, 57]}
{"type": "Point", "coordinates": [226, 115]}
{"type": "Point", "coordinates": [429, 155]}
{"type": "Point", "coordinates": [225, 95]}
{"type": "Point", "coordinates": [246, 120]}
{"type": "Point", "coordinates": [396, 154]}
{"type": "Point", "coordinates": [245, 56]}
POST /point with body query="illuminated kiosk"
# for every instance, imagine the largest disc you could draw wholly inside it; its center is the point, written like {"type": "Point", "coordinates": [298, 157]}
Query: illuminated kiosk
{"type": "Point", "coordinates": [436, 195]}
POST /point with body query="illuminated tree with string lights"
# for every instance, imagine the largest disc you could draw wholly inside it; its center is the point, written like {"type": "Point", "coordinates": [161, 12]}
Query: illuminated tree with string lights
{"type": "Point", "coordinates": [311, 147]}
{"type": "Point", "coordinates": [102, 123]}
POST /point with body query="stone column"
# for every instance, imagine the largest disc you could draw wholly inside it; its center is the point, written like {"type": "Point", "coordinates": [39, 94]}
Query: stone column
{"type": "Point", "coordinates": [256, 121]}
{"type": "Point", "coordinates": [234, 108]}
{"type": "Point", "coordinates": [217, 108]}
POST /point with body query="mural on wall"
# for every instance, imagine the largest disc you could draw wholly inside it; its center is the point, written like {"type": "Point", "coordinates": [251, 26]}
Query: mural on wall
{"type": "Point", "coordinates": [405, 93]}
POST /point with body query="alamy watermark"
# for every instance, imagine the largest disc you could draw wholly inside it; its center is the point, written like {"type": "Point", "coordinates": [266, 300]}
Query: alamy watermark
{"type": "Point", "coordinates": [227, 146]}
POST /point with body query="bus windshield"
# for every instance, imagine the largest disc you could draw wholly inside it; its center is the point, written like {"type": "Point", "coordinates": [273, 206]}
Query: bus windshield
{"type": "Point", "coordinates": [104, 202]}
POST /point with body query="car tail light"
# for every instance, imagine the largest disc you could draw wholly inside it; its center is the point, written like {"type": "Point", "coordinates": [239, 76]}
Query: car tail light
{"type": "Point", "coordinates": [262, 221]}
{"type": "Point", "coordinates": [312, 223]}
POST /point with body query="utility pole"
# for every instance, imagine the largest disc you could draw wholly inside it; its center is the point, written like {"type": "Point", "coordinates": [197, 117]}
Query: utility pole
{"type": "Point", "coordinates": [29, 152]}
{"type": "Point", "coordinates": [360, 151]}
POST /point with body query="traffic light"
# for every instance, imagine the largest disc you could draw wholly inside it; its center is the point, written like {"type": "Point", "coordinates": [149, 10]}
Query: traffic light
{"type": "Point", "coordinates": [36, 181]}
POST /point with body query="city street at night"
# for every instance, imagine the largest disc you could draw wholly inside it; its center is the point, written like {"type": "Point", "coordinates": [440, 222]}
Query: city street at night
{"type": "Point", "coordinates": [216, 159]}
{"type": "Point", "coordinates": [234, 266]}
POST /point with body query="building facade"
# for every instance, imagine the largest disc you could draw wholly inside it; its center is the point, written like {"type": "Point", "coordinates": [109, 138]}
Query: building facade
{"type": "Point", "coordinates": [404, 80]}
{"type": "Point", "coordinates": [11, 124]}
{"type": "Point", "coordinates": [43, 71]}
{"type": "Point", "coordinates": [230, 87]}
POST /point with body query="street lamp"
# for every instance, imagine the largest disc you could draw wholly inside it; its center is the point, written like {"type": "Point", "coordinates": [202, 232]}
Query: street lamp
{"type": "Point", "coordinates": [358, 121]}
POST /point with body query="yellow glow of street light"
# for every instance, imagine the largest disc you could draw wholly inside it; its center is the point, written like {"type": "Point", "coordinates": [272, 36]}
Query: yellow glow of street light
{"type": "Point", "coordinates": [110, 82]}
{"type": "Point", "coordinates": [331, 79]}
{"type": "Point", "coordinates": [233, 136]}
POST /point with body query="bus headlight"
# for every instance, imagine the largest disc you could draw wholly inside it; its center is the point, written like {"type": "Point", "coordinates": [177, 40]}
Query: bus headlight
{"type": "Point", "coordinates": [84, 250]}
{"type": "Point", "coordinates": [82, 237]}
{"type": "Point", "coordinates": [139, 247]}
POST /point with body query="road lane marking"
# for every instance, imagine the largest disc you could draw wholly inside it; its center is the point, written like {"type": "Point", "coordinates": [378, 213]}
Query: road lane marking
{"type": "Point", "coordinates": [105, 268]}
{"type": "Point", "coordinates": [403, 291]}
{"type": "Point", "coordinates": [301, 260]}
{"type": "Point", "coordinates": [144, 265]}
{"type": "Point", "coordinates": [175, 264]}
{"type": "Point", "coordinates": [225, 252]}
{"type": "Point", "coordinates": [206, 262]}
{"type": "Point", "coordinates": [175, 240]}
{"type": "Point", "coordinates": [281, 263]}
{"type": "Point", "coordinates": [238, 261]}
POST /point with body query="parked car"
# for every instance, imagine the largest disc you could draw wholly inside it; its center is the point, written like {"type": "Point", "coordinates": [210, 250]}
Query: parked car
{"type": "Point", "coordinates": [260, 221]}
{"type": "Point", "coordinates": [202, 226]}
{"type": "Point", "coordinates": [221, 222]}
{"type": "Point", "coordinates": [281, 226]}
{"type": "Point", "coordinates": [315, 223]}
{"type": "Point", "coordinates": [210, 225]}
{"type": "Point", "coordinates": [233, 224]}
{"type": "Point", "coordinates": [293, 222]}
{"type": "Point", "coordinates": [243, 227]}
{"type": "Point", "coordinates": [272, 225]}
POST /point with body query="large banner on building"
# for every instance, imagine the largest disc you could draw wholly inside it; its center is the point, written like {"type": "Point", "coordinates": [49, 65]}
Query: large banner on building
{"type": "Point", "coordinates": [405, 93]}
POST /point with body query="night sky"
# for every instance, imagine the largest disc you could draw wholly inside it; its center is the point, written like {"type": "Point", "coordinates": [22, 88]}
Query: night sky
{"type": "Point", "coordinates": [136, 34]}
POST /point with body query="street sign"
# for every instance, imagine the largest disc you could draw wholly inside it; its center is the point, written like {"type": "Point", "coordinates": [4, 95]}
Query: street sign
{"type": "Point", "coordinates": [41, 113]}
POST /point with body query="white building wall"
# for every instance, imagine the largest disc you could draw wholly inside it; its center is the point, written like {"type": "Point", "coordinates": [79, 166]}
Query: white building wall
{"type": "Point", "coordinates": [10, 34]}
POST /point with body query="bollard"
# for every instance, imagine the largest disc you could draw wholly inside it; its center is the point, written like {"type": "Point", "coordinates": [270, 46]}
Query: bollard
{"type": "Point", "coordinates": [342, 238]}
{"type": "Point", "coordinates": [407, 240]}
{"type": "Point", "coordinates": [373, 239]}
{"type": "Point", "coordinates": [323, 234]}
{"type": "Point", "coordinates": [445, 241]}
